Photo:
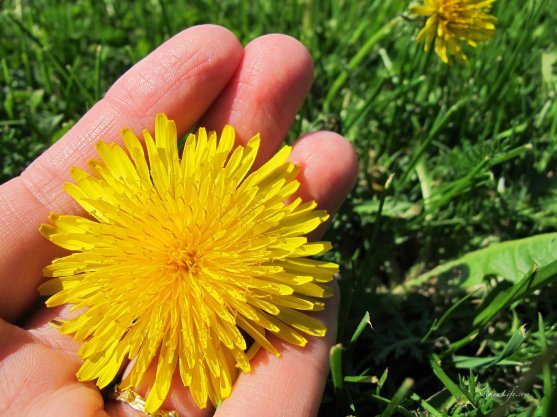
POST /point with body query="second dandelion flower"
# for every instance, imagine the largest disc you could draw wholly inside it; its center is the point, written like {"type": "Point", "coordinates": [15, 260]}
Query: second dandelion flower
{"type": "Point", "coordinates": [451, 23]}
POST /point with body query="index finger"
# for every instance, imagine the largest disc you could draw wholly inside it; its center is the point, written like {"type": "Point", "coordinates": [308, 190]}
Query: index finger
{"type": "Point", "coordinates": [181, 78]}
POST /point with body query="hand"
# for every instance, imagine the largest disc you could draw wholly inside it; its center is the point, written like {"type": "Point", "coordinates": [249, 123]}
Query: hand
{"type": "Point", "coordinates": [203, 77]}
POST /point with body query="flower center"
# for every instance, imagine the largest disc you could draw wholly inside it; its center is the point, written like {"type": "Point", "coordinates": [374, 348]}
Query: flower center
{"type": "Point", "coordinates": [184, 260]}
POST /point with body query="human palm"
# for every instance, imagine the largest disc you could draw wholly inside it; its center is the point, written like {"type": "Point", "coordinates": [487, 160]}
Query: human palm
{"type": "Point", "coordinates": [204, 77]}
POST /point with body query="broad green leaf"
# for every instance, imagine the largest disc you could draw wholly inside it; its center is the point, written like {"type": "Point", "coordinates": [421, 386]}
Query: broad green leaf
{"type": "Point", "coordinates": [510, 260]}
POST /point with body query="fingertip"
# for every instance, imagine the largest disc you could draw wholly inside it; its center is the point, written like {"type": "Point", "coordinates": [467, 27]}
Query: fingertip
{"type": "Point", "coordinates": [218, 40]}
{"type": "Point", "coordinates": [213, 29]}
{"type": "Point", "coordinates": [289, 50]}
{"type": "Point", "coordinates": [266, 92]}
{"type": "Point", "coordinates": [292, 67]}
{"type": "Point", "coordinates": [208, 31]}
{"type": "Point", "coordinates": [201, 58]}
{"type": "Point", "coordinates": [329, 168]}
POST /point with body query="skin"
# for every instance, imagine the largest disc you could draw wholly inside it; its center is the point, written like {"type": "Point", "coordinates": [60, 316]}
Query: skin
{"type": "Point", "coordinates": [202, 76]}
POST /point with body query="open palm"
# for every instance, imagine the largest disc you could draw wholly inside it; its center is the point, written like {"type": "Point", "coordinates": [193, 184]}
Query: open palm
{"type": "Point", "coordinates": [201, 76]}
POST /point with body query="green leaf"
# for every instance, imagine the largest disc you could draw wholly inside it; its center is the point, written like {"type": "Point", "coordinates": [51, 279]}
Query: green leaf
{"type": "Point", "coordinates": [534, 279]}
{"type": "Point", "coordinates": [438, 323]}
{"type": "Point", "coordinates": [510, 348]}
{"type": "Point", "coordinates": [549, 68]}
{"type": "Point", "coordinates": [382, 380]}
{"type": "Point", "coordinates": [548, 401]}
{"type": "Point", "coordinates": [365, 322]}
{"type": "Point", "coordinates": [361, 379]}
{"type": "Point", "coordinates": [451, 386]}
{"type": "Point", "coordinates": [401, 394]}
{"type": "Point", "coordinates": [510, 260]}
{"type": "Point", "coordinates": [425, 405]}
{"type": "Point", "coordinates": [336, 367]}
{"type": "Point", "coordinates": [505, 298]}
{"type": "Point", "coordinates": [391, 208]}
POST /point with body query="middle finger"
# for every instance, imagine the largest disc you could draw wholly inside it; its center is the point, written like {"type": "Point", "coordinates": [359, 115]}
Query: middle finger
{"type": "Point", "coordinates": [265, 93]}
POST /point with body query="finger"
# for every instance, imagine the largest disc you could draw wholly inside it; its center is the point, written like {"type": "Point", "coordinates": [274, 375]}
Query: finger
{"type": "Point", "coordinates": [46, 335]}
{"type": "Point", "coordinates": [40, 325]}
{"type": "Point", "coordinates": [37, 380]}
{"type": "Point", "coordinates": [179, 398]}
{"type": "Point", "coordinates": [182, 77]}
{"type": "Point", "coordinates": [294, 382]}
{"type": "Point", "coordinates": [265, 93]}
{"type": "Point", "coordinates": [329, 169]}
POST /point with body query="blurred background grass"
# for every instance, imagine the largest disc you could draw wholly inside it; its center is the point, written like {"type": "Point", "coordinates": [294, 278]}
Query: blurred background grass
{"type": "Point", "coordinates": [452, 159]}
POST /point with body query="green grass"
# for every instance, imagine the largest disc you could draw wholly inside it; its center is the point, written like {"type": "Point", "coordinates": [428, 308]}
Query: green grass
{"type": "Point", "coordinates": [453, 159]}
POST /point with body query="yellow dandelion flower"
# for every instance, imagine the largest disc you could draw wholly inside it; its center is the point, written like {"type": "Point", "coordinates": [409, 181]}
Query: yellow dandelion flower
{"type": "Point", "coordinates": [183, 259]}
{"type": "Point", "coordinates": [450, 22]}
